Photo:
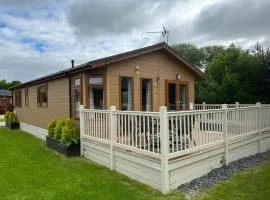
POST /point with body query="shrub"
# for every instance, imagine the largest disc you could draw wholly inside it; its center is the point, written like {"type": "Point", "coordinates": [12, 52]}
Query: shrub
{"type": "Point", "coordinates": [10, 117]}
{"type": "Point", "coordinates": [58, 129]}
{"type": "Point", "coordinates": [69, 133]}
{"type": "Point", "coordinates": [51, 127]}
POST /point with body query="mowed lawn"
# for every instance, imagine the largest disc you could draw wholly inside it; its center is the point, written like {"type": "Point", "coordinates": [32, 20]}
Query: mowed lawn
{"type": "Point", "coordinates": [28, 170]}
{"type": "Point", "coordinates": [251, 184]}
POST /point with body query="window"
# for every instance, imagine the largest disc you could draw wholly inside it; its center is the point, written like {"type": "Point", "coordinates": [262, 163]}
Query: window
{"type": "Point", "coordinates": [26, 98]}
{"type": "Point", "coordinates": [126, 93]}
{"type": "Point", "coordinates": [146, 95]}
{"type": "Point", "coordinates": [18, 98]}
{"type": "Point", "coordinates": [76, 97]}
{"type": "Point", "coordinates": [42, 98]}
{"type": "Point", "coordinates": [96, 92]}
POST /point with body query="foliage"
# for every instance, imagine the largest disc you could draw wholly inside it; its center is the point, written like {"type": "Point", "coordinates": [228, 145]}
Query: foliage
{"type": "Point", "coordinates": [6, 85]}
{"type": "Point", "coordinates": [69, 134]}
{"type": "Point", "coordinates": [58, 129]}
{"type": "Point", "coordinates": [51, 127]}
{"type": "Point", "coordinates": [189, 52]}
{"type": "Point", "coordinates": [10, 117]}
{"type": "Point", "coordinates": [233, 74]}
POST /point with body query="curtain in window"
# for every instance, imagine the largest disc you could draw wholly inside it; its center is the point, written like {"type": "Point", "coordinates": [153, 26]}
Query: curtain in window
{"type": "Point", "coordinates": [148, 96]}
{"type": "Point", "coordinates": [129, 86]}
{"type": "Point", "coordinates": [91, 103]}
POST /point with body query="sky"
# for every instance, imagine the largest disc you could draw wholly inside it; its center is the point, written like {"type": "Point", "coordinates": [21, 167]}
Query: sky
{"type": "Point", "coordinates": [41, 37]}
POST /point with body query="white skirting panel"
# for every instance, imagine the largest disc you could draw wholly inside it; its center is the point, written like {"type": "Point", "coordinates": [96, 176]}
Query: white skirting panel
{"type": "Point", "coordinates": [141, 168]}
{"type": "Point", "coordinates": [34, 130]}
{"type": "Point", "coordinates": [194, 165]}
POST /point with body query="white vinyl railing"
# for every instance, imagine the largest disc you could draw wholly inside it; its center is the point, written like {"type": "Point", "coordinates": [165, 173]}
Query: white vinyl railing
{"type": "Point", "coordinates": [142, 131]}
{"type": "Point", "coordinates": [193, 128]}
{"type": "Point", "coordinates": [96, 123]}
{"type": "Point", "coordinates": [205, 106]}
{"type": "Point", "coordinates": [138, 129]}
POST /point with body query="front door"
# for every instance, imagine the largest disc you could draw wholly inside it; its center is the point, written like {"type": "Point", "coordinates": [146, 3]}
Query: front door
{"type": "Point", "coordinates": [177, 95]}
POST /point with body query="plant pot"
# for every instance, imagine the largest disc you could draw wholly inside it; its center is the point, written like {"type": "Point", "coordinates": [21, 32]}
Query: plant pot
{"type": "Point", "coordinates": [13, 125]}
{"type": "Point", "coordinates": [72, 150]}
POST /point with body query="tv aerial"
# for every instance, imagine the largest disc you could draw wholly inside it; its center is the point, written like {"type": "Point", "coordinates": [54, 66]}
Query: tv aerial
{"type": "Point", "coordinates": [164, 33]}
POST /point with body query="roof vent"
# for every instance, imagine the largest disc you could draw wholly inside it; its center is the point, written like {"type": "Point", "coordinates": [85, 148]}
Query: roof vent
{"type": "Point", "coordinates": [72, 63]}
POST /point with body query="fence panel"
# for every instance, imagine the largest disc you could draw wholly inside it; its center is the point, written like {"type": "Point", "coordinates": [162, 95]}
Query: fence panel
{"type": "Point", "coordinates": [138, 129]}
{"type": "Point", "coordinates": [242, 120]}
{"type": "Point", "coordinates": [265, 116]}
{"type": "Point", "coordinates": [194, 128]}
{"type": "Point", "coordinates": [96, 123]}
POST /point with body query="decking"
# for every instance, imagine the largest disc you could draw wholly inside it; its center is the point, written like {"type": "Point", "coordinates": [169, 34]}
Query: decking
{"type": "Point", "coordinates": [165, 149]}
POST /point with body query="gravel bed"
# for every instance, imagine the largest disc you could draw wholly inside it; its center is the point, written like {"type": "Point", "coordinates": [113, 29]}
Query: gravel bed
{"type": "Point", "coordinates": [222, 173]}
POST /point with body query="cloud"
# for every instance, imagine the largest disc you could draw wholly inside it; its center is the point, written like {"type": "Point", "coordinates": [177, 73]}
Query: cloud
{"type": "Point", "coordinates": [92, 18]}
{"type": "Point", "coordinates": [41, 37]}
{"type": "Point", "coordinates": [241, 20]}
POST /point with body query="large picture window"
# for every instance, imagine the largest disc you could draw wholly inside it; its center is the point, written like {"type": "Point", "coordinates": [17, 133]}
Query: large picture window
{"type": "Point", "coordinates": [126, 93]}
{"type": "Point", "coordinates": [146, 95]}
{"type": "Point", "coordinates": [18, 98]}
{"type": "Point", "coordinates": [42, 96]}
{"type": "Point", "coordinates": [96, 92]}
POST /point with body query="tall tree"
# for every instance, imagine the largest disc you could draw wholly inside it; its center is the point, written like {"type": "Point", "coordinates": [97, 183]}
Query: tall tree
{"type": "Point", "coordinates": [190, 53]}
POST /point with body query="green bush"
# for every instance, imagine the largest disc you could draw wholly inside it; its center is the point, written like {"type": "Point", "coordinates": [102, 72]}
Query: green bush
{"type": "Point", "coordinates": [10, 117]}
{"type": "Point", "coordinates": [58, 129]}
{"type": "Point", "coordinates": [69, 133]}
{"type": "Point", "coordinates": [51, 127]}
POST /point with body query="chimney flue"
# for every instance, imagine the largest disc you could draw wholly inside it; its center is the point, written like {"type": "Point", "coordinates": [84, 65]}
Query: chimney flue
{"type": "Point", "coordinates": [72, 63]}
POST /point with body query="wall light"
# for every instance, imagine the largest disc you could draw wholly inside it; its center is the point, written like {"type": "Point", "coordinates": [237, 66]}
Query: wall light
{"type": "Point", "coordinates": [137, 69]}
{"type": "Point", "coordinates": [178, 76]}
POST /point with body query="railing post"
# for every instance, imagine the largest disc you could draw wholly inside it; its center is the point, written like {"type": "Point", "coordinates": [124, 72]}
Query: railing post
{"type": "Point", "coordinates": [164, 134]}
{"type": "Point", "coordinates": [191, 106]}
{"type": "Point", "coordinates": [203, 105]}
{"type": "Point", "coordinates": [111, 134]}
{"type": "Point", "coordinates": [82, 127]}
{"type": "Point", "coordinates": [259, 125]}
{"type": "Point", "coordinates": [225, 131]}
{"type": "Point", "coordinates": [237, 104]}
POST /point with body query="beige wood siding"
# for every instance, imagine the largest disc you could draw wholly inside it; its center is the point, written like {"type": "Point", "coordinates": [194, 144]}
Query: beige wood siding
{"type": "Point", "coordinates": [152, 65]}
{"type": "Point", "coordinates": [58, 104]}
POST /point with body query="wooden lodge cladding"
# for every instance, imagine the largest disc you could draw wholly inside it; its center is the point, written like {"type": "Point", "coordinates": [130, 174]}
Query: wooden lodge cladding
{"type": "Point", "coordinates": [144, 79]}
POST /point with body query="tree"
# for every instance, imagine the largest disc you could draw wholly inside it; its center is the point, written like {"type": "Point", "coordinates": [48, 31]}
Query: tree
{"type": "Point", "coordinates": [190, 53]}
{"type": "Point", "coordinates": [6, 85]}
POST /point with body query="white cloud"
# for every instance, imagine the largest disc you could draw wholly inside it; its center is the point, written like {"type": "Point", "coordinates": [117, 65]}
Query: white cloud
{"type": "Point", "coordinates": [37, 38]}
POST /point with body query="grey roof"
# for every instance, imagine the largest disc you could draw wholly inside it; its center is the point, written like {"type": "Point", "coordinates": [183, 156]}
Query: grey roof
{"type": "Point", "coordinates": [5, 93]}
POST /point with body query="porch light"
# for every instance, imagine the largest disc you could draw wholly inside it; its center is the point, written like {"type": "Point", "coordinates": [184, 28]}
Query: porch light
{"type": "Point", "coordinates": [178, 76]}
{"type": "Point", "coordinates": [137, 69]}
{"type": "Point", "coordinates": [158, 80]}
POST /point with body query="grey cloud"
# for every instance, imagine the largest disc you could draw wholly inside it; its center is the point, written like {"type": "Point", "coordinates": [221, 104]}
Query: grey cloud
{"type": "Point", "coordinates": [230, 20]}
{"type": "Point", "coordinates": [115, 17]}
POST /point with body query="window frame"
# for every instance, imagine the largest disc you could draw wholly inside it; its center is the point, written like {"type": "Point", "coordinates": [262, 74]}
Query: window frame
{"type": "Point", "coordinates": [152, 87]}
{"type": "Point", "coordinates": [89, 86]}
{"type": "Point", "coordinates": [26, 97]}
{"type": "Point", "coordinates": [120, 88]}
{"type": "Point", "coordinates": [15, 104]}
{"type": "Point", "coordinates": [38, 96]}
{"type": "Point", "coordinates": [73, 89]}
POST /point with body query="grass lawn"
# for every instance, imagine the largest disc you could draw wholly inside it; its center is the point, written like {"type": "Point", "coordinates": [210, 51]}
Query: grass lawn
{"type": "Point", "coordinates": [28, 170]}
{"type": "Point", "coordinates": [2, 120]}
{"type": "Point", "coordinates": [252, 184]}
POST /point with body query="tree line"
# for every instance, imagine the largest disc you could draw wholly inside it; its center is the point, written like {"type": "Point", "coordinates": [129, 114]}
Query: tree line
{"type": "Point", "coordinates": [233, 74]}
{"type": "Point", "coordinates": [4, 84]}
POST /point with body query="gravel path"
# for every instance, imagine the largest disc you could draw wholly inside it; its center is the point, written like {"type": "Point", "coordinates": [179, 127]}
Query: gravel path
{"type": "Point", "coordinates": [222, 173]}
